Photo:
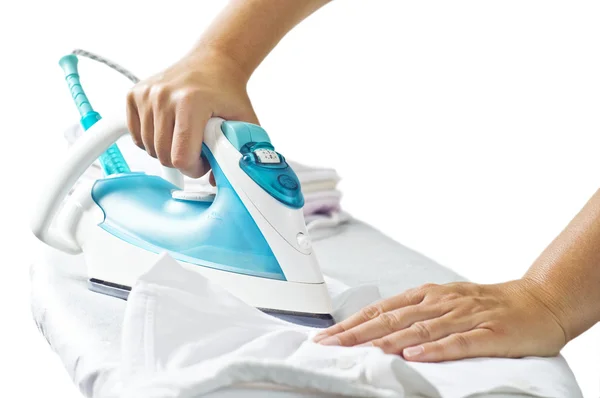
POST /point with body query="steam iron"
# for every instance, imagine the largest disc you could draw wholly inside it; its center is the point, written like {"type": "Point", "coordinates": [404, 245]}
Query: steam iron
{"type": "Point", "coordinates": [250, 238]}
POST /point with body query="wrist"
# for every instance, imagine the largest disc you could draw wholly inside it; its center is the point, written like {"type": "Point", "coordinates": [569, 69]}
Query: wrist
{"type": "Point", "coordinates": [549, 297]}
{"type": "Point", "coordinates": [209, 55]}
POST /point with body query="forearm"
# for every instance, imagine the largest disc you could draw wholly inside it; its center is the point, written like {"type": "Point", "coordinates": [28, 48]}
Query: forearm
{"type": "Point", "coordinates": [247, 30]}
{"type": "Point", "coordinates": [568, 271]}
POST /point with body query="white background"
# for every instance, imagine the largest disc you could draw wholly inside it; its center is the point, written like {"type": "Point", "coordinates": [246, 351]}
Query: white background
{"type": "Point", "coordinates": [467, 130]}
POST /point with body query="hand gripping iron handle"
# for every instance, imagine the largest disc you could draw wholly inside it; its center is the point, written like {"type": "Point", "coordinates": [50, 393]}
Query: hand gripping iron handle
{"type": "Point", "coordinates": [84, 152]}
{"type": "Point", "coordinates": [101, 136]}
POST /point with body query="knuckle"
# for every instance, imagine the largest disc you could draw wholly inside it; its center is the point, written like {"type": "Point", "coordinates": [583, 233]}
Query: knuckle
{"type": "Point", "coordinates": [425, 289]}
{"type": "Point", "coordinates": [422, 330]}
{"type": "Point", "coordinates": [341, 327]}
{"type": "Point", "coordinates": [450, 296]}
{"type": "Point", "coordinates": [388, 320]}
{"type": "Point", "coordinates": [139, 91]}
{"type": "Point", "coordinates": [159, 93]}
{"type": "Point", "coordinates": [462, 342]}
{"type": "Point", "coordinates": [182, 161]}
{"type": "Point", "coordinates": [498, 327]}
{"type": "Point", "coordinates": [131, 96]}
{"type": "Point", "coordinates": [187, 96]}
{"type": "Point", "coordinates": [348, 338]}
{"type": "Point", "coordinates": [371, 312]}
{"type": "Point", "coordinates": [436, 350]}
{"type": "Point", "coordinates": [416, 294]}
{"type": "Point", "coordinates": [387, 345]}
{"type": "Point", "coordinates": [145, 91]}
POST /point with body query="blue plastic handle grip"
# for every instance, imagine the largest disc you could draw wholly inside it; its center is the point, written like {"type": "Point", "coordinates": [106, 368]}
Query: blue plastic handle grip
{"type": "Point", "coordinates": [68, 64]}
{"type": "Point", "coordinates": [112, 161]}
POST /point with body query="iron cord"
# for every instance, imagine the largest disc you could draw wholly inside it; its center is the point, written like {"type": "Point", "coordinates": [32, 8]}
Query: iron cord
{"type": "Point", "coordinates": [107, 62]}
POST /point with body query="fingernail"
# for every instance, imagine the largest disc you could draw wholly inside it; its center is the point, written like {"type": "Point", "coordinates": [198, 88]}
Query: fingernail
{"type": "Point", "coordinates": [412, 352]}
{"type": "Point", "coordinates": [369, 344]}
{"type": "Point", "coordinates": [332, 340]}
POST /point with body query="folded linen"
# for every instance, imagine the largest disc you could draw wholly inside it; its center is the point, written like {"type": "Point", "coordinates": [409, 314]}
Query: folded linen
{"type": "Point", "coordinates": [309, 174]}
{"type": "Point", "coordinates": [322, 202]}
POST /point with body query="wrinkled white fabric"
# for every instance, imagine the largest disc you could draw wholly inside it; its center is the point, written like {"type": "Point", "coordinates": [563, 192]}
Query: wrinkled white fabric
{"type": "Point", "coordinates": [183, 336]}
{"type": "Point", "coordinates": [85, 328]}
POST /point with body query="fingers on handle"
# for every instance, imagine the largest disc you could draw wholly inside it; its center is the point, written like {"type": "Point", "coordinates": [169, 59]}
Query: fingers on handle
{"type": "Point", "coordinates": [474, 343]}
{"type": "Point", "coordinates": [147, 125]}
{"type": "Point", "coordinates": [164, 124]}
{"type": "Point", "coordinates": [187, 140]}
{"type": "Point", "coordinates": [133, 120]}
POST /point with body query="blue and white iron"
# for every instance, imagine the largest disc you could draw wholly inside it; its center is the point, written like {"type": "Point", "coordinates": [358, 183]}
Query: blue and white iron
{"type": "Point", "coordinates": [250, 238]}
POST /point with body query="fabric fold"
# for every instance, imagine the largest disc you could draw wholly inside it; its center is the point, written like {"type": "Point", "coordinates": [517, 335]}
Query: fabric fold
{"type": "Point", "coordinates": [184, 336]}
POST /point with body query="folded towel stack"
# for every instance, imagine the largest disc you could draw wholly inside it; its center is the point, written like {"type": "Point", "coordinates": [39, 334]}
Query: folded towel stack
{"type": "Point", "coordinates": [322, 198]}
{"type": "Point", "coordinates": [319, 187]}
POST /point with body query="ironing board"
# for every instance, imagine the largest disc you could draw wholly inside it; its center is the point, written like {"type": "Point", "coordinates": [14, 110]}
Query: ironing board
{"type": "Point", "coordinates": [83, 328]}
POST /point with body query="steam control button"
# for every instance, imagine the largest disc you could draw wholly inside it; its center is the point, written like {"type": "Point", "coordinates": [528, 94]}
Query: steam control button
{"type": "Point", "coordinates": [287, 181]}
{"type": "Point", "coordinates": [303, 241]}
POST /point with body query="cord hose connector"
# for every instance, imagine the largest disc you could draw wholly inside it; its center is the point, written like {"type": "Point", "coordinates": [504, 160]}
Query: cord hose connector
{"type": "Point", "coordinates": [112, 161]}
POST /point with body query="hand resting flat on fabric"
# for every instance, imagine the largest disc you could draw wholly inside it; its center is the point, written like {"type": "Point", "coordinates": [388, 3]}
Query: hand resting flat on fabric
{"type": "Point", "coordinates": [537, 315]}
{"type": "Point", "coordinates": [454, 321]}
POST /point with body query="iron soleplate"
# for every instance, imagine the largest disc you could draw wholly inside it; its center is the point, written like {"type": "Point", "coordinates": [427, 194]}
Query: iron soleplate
{"type": "Point", "coordinates": [299, 318]}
